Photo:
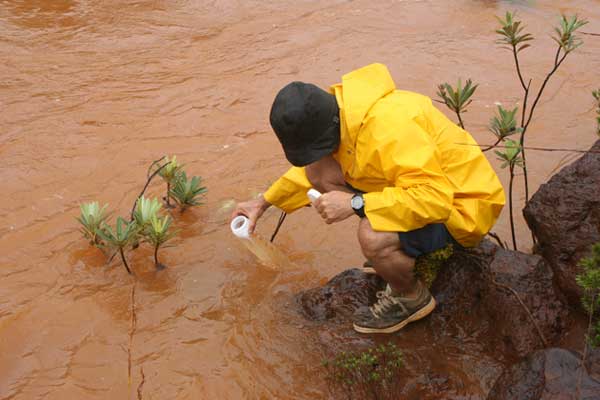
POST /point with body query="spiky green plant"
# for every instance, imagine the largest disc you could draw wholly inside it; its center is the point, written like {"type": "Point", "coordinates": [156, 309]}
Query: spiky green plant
{"type": "Point", "coordinates": [158, 234]}
{"type": "Point", "coordinates": [589, 280]}
{"type": "Point", "coordinates": [565, 33]}
{"type": "Point", "coordinates": [170, 174]}
{"type": "Point", "coordinates": [504, 124]}
{"type": "Point", "coordinates": [145, 210]}
{"type": "Point", "coordinates": [124, 235]}
{"type": "Point", "coordinates": [457, 99]}
{"type": "Point", "coordinates": [187, 193]}
{"type": "Point", "coordinates": [370, 374]}
{"type": "Point", "coordinates": [511, 33]}
{"type": "Point", "coordinates": [91, 218]}
{"type": "Point", "coordinates": [596, 94]}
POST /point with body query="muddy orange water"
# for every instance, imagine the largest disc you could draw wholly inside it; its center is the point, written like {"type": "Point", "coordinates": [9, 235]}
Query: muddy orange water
{"type": "Point", "coordinates": [92, 91]}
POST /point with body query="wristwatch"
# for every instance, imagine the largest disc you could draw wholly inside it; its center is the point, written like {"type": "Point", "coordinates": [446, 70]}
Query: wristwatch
{"type": "Point", "coordinates": [358, 205]}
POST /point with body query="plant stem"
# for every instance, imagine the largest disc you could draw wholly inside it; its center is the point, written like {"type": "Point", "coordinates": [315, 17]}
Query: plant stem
{"type": "Point", "coordinates": [145, 187]}
{"type": "Point", "coordinates": [460, 121]}
{"type": "Point", "coordinates": [557, 64]}
{"type": "Point", "coordinates": [516, 57]}
{"type": "Point", "coordinates": [279, 223]}
{"type": "Point", "coordinates": [490, 146]}
{"type": "Point", "coordinates": [156, 263]}
{"type": "Point", "coordinates": [124, 260]}
{"type": "Point", "coordinates": [168, 194]}
{"type": "Point", "coordinates": [510, 205]}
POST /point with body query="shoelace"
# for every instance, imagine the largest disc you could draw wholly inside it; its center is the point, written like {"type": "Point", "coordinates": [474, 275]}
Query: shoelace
{"type": "Point", "coordinates": [384, 302]}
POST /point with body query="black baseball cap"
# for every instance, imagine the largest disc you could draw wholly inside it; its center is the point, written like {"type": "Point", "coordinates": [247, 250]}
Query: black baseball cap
{"type": "Point", "coordinates": [306, 120]}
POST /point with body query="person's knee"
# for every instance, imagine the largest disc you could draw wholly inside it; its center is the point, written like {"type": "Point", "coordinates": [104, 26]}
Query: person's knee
{"type": "Point", "coordinates": [371, 242]}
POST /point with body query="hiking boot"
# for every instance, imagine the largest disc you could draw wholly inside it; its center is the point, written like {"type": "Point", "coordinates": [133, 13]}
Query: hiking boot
{"type": "Point", "coordinates": [368, 268]}
{"type": "Point", "coordinates": [391, 313]}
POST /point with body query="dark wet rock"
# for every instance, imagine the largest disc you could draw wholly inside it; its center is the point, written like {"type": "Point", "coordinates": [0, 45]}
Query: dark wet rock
{"type": "Point", "coordinates": [564, 215]}
{"type": "Point", "coordinates": [546, 375]}
{"type": "Point", "coordinates": [473, 294]}
{"type": "Point", "coordinates": [341, 296]}
{"type": "Point", "coordinates": [470, 305]}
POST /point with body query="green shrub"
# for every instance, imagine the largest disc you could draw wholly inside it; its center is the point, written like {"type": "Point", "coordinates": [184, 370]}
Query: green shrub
{"type": "Point", "coordinates": [589, 280]}
{"type": "Point", "coordinates": [371, 374]}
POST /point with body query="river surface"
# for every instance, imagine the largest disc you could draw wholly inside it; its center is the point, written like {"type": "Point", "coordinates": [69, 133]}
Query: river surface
{"type": "Point", "coordinates": [91, 91]}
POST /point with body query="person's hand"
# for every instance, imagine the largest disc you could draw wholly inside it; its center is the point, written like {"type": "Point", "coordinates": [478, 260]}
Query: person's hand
{"type": "Point", "coordinates": [334, 206]}
{"type": "Point", "coordinates": [253, 209]}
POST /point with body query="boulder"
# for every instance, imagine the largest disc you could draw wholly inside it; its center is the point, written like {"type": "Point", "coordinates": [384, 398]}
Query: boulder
{"type": "Point", "coordinates": [548, 374]}
{"type": "Point", "coordinates": [564, 215]}
{"type": "Point", "coordinates": [475, 292]}
{"type": "Point", "coordinates": [481, 291]}
{"type": "Point", "coordinates": [341, 296]}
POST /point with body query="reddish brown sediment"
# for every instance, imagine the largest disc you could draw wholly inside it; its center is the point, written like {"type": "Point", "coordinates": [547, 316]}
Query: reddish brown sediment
{"type": "Point", "coordinates": [92, 91]}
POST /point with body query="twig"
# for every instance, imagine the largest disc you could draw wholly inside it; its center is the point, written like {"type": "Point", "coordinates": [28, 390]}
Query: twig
{"type": "Point", "coordinates": [460, 121]}
{"type": "Point", "coordinates": [279, 223]}
{"type": "Point", "coordinates": [139, 388]}
{"type": "Point", "coordinates": [590, 33]}
{"type": "Point", "coordinates": [146, 187]}
{"type": "Point", "coordinates": [490, 146]}
{"type": "Point", "coordinates": [532, 148]}
{"type": "Point", "coordinates": [510, 204]}
{"type": "Point", "coordinates": [533, 321]}
{"type": "Point", "coordinates": [153, 164]}
{"type": "Point", "coordinates": [497, 238]}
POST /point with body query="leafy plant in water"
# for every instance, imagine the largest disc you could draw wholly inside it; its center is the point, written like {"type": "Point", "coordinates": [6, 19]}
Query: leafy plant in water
{"type": "Point", "coordinates": [145, 210]}
{"type": "Point", "coordinates": [504, 124]}
{"type": "Point", "coordinates": [457, 99]}
{"type": "Point", "coordinates": [511, 33]}
{"type": "Point", "coordinates": [170, 174]}
{"type": "Point", "coordinates": [186, 193]}
{"type": "Point", "coordinates": [565, 33]}
{"type": "Point", "coordinates": [145, 221]}
{"type": "Point", "coordinates": [91, 218]}
{"type": "Point", "coordinates": [123, 236]}
{"type": "Point", "coordinates": [157, 234]}
{"type": "Point", "coordinates": [371, 374]}
{"type": "Point", "coordinates": [589, 280]}
{"type": "Point", "coordinates": [513, 37]}
{"type": "Point", "coordinates": [596, 94]}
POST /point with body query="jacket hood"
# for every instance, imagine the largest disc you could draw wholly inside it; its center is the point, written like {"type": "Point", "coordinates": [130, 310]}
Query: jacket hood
{"type": "Point", "coordinates": [361, 89]}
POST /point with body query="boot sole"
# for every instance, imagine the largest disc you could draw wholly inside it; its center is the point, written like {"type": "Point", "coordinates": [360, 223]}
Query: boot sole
{"type": "Point", "coordinates": [422, 313]}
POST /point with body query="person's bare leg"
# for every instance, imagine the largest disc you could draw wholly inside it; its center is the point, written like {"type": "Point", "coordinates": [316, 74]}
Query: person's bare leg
{"type": "Point", "coordinates": [326, 175]}
{"type": "Point", "coordinates": [384, 251]}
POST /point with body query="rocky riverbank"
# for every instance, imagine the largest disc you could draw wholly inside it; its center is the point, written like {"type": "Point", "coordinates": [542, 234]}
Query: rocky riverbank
{"type": "Point", "coordinates": [508, 308]}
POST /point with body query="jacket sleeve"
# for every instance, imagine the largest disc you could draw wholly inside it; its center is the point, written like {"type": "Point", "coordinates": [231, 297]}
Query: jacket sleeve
{"type": "Point", "coordinates": [289, 192]}
{"type": "Point", "coordinates": [419, 192]}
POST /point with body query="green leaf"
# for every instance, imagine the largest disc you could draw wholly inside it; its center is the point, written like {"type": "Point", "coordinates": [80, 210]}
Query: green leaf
{"type": "Point", "coordinates": [504, 124]}
{"type": "Point", "coordinates": [188, 192]}
{"type": "Point", "coordinates": [145, 210]}
{"type": "Point", "coordinates": [91, 218]}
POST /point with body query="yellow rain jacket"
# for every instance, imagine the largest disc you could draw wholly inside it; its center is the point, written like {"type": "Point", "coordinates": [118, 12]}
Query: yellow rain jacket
{"type": "Point", "coordinates": [409, 159]}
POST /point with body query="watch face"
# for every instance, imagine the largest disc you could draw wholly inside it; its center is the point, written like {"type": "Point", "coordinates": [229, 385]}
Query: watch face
{"type": "Point", "coordinates": [357, 202]}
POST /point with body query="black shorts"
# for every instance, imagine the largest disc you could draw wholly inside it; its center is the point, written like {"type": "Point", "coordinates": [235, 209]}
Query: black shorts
{"type": "Point", "coordinates": [425, 240]}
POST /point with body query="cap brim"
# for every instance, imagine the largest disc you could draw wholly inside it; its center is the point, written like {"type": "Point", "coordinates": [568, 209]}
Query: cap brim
{"type": "Point", "coordinates": [327, 143]}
